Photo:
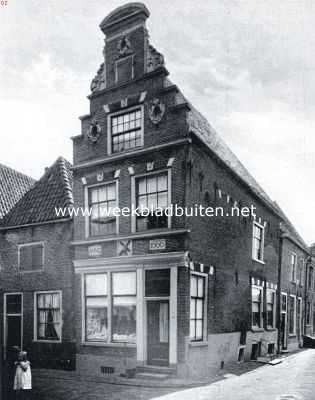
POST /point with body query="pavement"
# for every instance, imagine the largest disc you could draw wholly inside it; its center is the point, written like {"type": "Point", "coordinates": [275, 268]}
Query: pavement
{"type": "Point", "coordinates": [292, 379]}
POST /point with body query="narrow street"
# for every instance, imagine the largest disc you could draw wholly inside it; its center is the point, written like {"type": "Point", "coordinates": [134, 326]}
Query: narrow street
{"type": "Point", "coordinates": [293, 379]}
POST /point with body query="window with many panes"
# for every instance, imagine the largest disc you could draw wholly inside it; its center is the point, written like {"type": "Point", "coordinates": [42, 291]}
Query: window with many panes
{"type": "Point", "coordinates": [152, 198]}
{"type": "Point", "coordinates": [117, 322]}
{"type": "Point", "coordinates": [48, 316]}
{"type": "Point", "coordinates": [197, 306]}
{"type": "Point", "coordinates": [270, 304]}
{"type": "Point", "coordinates": [102, 202]}
{"type": "Point", "coordinates": [258, 242]}
{"type": "Point", "coordinates": [126, 130]}
{"type": "Point", "coordinates": [292, 315]}
{"type": "Point", "coordinates": [257, 298]}
{"type": "Point", "coordinates": [31, 256]}
{"type": "Point", "coordinates": [293, 267]}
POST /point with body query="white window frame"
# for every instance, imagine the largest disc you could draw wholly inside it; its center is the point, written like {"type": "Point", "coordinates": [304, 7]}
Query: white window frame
{"type": "Point", "coordinates": [110, 341]}
{"type": "Point", "coordinates": [35, 316]}
{"type": "Point", "coordinates": [5, 315]}
{"type": "Point", "coordinates": [205, 309]}
{"type": "Point", "coordinates": [274, 309]}
{"type": "Point", "coordinates": [293, 267]}
{"type": "Point", "coordinates": [255, 223]}
{"type": "Point", "coordinates": [109, 128]}
{"type": "Point", "coordinates": [167, 171]}
{"type": "Point", "coordinates": [294, 316]}
{"type": "Point", "coordinates": [38, 243]}
{"type": "Point", "coordinates": [262, 298]}
{"type": "Point", "coordinates": [86, 202]}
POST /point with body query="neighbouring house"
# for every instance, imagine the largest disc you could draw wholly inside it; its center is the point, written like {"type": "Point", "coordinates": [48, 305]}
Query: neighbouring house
{"type": "Point", "coordinates": [292, 299]}
{"type": "Point", "coordinates": [186, 294]}
{"type": "Point", "coordinates": [36, 272]}
{"type": "Point", "coordinates": [13, 185]}
{"type": "Point", "coordinates": [309, 313]}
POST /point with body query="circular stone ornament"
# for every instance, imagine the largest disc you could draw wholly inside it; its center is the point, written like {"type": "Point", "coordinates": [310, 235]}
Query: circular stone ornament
{"type": "Point", "coordinates": [156, 111]}
{"type": "Point", "coordinates": [94, 132]}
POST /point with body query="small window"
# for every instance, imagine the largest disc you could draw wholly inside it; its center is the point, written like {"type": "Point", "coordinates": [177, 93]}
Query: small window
{"type": "Point", "coordinates": [271, 348]}
{"type": "Point", "coordinates": [197, 305]}
{"type": "Point", "coordinates": [31, 256]}
{"type": "Point", "coordinates": [152, 198]}
{"type": "Point", "coordinates": [258, 242]}
{"type": "Point", "coordinates": [102, 202]}
{"type": "Point", "coordinates": [256, 351]}
{"type": "Point", "coordinates": [126, 131]}
{"type": "Point", "coordinates": [293, 267]}
{"type": "Point", "coordinates": [48, 316]}
{"type": "Point", "coordinates": [241, 354]}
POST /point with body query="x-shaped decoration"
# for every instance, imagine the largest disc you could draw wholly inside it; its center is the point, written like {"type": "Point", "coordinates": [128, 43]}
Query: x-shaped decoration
{"type": "Point", "coordinates": [124, 248]}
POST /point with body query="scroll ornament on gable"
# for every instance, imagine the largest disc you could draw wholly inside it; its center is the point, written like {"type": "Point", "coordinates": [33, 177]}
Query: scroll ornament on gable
{"type": "Point", "coordinates": [99, 81]}
{"type": "Point", "coordinates": [154, 59]}
{"type": "Point", "coordinates": [156, 111]}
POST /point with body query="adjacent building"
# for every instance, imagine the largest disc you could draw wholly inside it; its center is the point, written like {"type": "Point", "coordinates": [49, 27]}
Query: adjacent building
{"type": "Point", "coordinates": [36, 273]}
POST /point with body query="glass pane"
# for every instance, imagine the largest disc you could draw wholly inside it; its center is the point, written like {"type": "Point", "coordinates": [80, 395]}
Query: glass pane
{"type": "Point", "coordinates": [163, 322]}
{"type": "Point", "coordinates": [96, 324]}
{"type": "Point", "coordinates": [95, 284]}
{"type": "Point", "coordinates": [56, 300]}
{"type": "Point", "coordinates": [142, 186]}
{"type": "Point", "coordinates": [94, 195]}
{"type": "Point", "coordinates": [270, 297]}
{"type": "Point", "coordinates": [256, 294]}
{"type": "Point", "coordinates": [192, 329]}
{"type": "Point", "coordinates": [162, 199]}
{"type": "Point", "coordinates": [193, 285]}
{"type": "Point", "coordinates": [199, 326]}
{"type": "Point", "coordinates": [96, 302]}
{"type": "Point", "coordinates": [14, 303]}
{"type": "Point", "coordinates": [193, 308]}
{"type": "Point", "coordinates": [102, 195]}
{"type": "Point", "coordinates": [255, 307]}
{"type": "Point", "coordinates": [162, 182]}
{"type": "Point", "coordinates": [111, 191]}
{"type": "Point", "coordinates": [151, 183]}
{"type": "Point", "coordinates": [124, 283]}
{"type": "Point", "coordinates": [157, 282]}
{"type": "Point", "coordinates": [124, 323]}
{"type": "Point", "coordinates": [152, 201]}
{"type": "Point", "coordinates": [200, 287]}
{"type": "Point", "coordinates": [199, 309]}
{"type": "Point", "coordinates": [124, 300]}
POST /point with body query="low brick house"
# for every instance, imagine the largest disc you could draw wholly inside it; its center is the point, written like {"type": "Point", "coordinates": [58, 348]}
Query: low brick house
{"type": "Point", "coordinates": [36, 272]}
{"type": "Point", "coordinates": [189, 294]}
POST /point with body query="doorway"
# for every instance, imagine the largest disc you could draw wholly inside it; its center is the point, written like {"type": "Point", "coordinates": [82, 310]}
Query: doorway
{"type": "Point", "coordinates": [158, 332]}
{"type": "Point", "coordinates": [13, 323]}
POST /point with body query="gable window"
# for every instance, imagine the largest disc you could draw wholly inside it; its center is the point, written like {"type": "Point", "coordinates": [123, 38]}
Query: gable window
{"type": "Point", "coordinates": [110, 307]}
{"type": "Point", "coordinates": [31, 256]}
{"type": "Point", "coordinates": [48, 316]}
{"type": "Point", "coordinates": [152, 197]}
{"type": "Point", "coordinates": [292, 315]}
{"type": "Point", "coordinates": [293, 267]}
{"type": "Point", "coordinates": [102, 202]}
{"type": "Point", "coordinates": [258, 242]}
{"type": "Point", "coordinates": [126, 130]}
{"type": "Point", "coordinates": [270, 303]}
{"type": "Point", "coordinates": [197, 306]}
{"type": "Point", "coordinates": [257, 298]}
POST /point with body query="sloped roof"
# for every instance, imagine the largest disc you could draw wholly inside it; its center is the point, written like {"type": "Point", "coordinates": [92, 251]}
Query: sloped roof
{"type": "Point", "coordinates": [54, 189]}
{"type": "Point", "coordinates": [13, 185]}
{"type": "Point", "coordinates": [200, 126]}
{"type": "Point", "coordinates": [289, 230]}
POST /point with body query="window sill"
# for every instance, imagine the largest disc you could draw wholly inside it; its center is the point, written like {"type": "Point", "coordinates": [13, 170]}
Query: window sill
{"type": "Point", "coordinates": [254, 329]}
{"type": "Point", "coordinates": [46, 341]}
{"type": "Point", "coordinates": [292, 335]}
{"type": "Point", "coordinates": [270, 329]}
{"type": "Point", "coordinates": [102, 344]}
{"type": "Point", "coordinates": [198, 344]}
{"type": "Point", "coordinates": [258, 261]}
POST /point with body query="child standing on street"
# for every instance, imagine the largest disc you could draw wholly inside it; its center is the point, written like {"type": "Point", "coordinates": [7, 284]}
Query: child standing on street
{"type": "Point", "coordinates": [23, 377]}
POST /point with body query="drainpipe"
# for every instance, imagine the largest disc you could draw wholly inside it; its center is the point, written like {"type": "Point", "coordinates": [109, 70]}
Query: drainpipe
{"type": "Point", "coordinates": [279, 293]}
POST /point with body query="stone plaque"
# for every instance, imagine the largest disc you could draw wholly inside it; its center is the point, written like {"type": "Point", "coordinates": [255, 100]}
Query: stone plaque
{"type": "Point", "coordinates": [158, 244]}
{"type": "Point", "coordinates": [95, 251]}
